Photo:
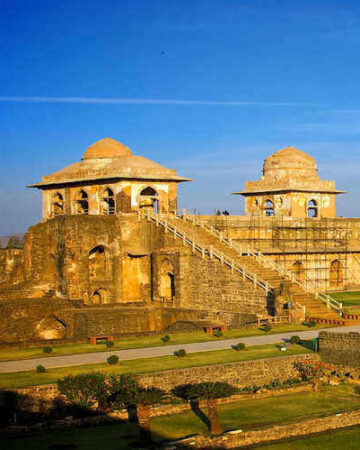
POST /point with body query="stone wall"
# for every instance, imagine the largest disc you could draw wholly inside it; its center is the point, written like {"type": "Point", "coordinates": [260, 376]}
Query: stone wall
{"type": "Point", "coordinates": [240, 374]}
{"type": "Point", "coordinates": [239, 438]}
{"type": "Point", "coordinates": [340, 348]}
{"type": "Point", "coordinates": [11, 266]}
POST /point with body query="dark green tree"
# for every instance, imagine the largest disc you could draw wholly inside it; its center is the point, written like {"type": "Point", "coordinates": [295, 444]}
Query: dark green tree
{"type": "Point", "coordinates": [211, 392]}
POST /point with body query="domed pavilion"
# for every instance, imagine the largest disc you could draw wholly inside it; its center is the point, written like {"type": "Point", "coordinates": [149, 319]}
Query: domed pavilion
{"type": "Point", "coordinates": [109, 180]}
{"type": "Point", "coordinates": [290, 186]}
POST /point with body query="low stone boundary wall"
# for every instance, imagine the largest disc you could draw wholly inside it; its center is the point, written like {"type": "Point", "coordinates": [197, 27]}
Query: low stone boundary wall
{"type": "Point", "coordinates": [239, 438]}
{"type": "Point", "coordinates": [239, 374]}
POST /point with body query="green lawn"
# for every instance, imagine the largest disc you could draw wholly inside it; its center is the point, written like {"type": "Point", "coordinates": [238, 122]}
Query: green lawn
{"type": "Point", "coordinates": [244, 415]}
{"type": "Point", "coordinates": [348, 439]}
{"type": "Point", "coordinates": [18, 379]}
{"type": "Point", "coordinates": [348, 298]}
{"type": "Point", "coordinates": [139, 342]}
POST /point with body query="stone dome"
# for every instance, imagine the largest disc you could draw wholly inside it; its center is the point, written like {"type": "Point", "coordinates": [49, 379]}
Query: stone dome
{"type": "Point", "coordinates": [105, 149]}
{"type": "Point", "coordinates": [290, 162]}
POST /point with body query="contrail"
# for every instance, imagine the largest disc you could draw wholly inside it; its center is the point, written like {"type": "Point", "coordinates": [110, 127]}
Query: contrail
{"type": "Point", "coordinates": [142, 101]}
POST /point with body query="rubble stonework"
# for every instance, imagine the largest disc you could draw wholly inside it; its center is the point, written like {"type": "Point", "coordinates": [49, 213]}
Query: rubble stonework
{"type": "Point", "coordinates": [94, 264]}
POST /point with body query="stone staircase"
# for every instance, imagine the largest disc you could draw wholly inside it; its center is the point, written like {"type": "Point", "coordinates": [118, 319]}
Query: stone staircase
{"type": "Point", "coordinates": [209, 241]}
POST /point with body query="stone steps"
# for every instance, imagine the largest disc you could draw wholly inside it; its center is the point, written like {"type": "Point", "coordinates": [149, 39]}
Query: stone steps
{"type": "Point", "coordinates": [203, 237]}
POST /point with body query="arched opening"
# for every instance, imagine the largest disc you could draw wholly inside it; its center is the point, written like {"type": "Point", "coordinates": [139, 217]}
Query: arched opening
{"type": "Point", "coordinates": [312, 209]}
{"type": "Point", "coordinates": [108, 202]}
{"type": "Point", "coordinates": [57, 205]}
{"type": "Point", "coordinates": [167, 281]}
{"type": "Point", "coordinates": [82, 203]}
{"type": "Point", "coordinates": [298, 270]}
{"type": "Point", "coordinates": [269, 208]}
{"type": "Point", "coordinates": [148, 200]}
{"type": "Point", "coordinates": [98, 263]}
{"type": "Point", "coordinates": [336, 274]}
{"type": "Point", "coordinates": [100, 297]}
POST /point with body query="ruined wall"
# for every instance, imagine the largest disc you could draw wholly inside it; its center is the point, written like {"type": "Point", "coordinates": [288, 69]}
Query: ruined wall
{"type": "Point", "coordinates": [340, 348]}
{"type": "Point", "coordinates": [11, 266]}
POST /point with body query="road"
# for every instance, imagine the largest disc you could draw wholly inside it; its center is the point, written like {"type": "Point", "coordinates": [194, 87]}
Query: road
{"type": "Point", "coordinates": [51, 362]}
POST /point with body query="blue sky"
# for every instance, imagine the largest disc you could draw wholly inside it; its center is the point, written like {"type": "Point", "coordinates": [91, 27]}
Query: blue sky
{"type": "Point", "coordinates": [207, 87]}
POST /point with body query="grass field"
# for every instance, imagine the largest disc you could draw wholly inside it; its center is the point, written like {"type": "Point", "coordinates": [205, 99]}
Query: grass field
{"type": "Point", "coordinates": [247, 415]}
{"type": "Point", "coordinates": [140, 342]}
{"type": "Point", "coordinates": [348, 439]}
{"type": "Point", "coordinates": [348, 298]}
{"type": "Point", "coordinates": [28, 378]}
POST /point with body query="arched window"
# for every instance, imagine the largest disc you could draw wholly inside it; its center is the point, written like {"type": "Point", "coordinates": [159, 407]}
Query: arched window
{"type": "Point", "coordinates": [57, 205]}
{"type": "Point", "coordinates": [336, 274]}
{"type": "Point", "coordinates": [269, 208]}
{"type": "Point", "coordinates": [98, 263]}
{"type": "Point", "coordinates": [108, 202]}
{"type": "Point", "coordinates": [82, 202]}
{"type": "Point", "coordinates": [298, 270]}
{"type": "Point", "coordinates": [148, 200]}
{"type": "Point", "coordinates": [312, 209]}
{"type": "Point", "coordinates": [167, 280]}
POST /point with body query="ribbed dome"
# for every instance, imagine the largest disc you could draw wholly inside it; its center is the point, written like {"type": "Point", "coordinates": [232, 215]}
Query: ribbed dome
{"type": "Point", "coordinates": [107, 148]}
{"type": "Point", "coordinates": [290, 160]}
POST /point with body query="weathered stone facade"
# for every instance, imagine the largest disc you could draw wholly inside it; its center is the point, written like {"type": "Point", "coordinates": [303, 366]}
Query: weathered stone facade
{"type": "Point", "coordinates": [100, 262]}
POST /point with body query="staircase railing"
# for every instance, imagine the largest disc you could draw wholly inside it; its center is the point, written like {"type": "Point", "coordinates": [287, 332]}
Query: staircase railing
{"type": "Point", "coordinates": [212, 252]}
{"type": "Point", "coordinates": [304, 282]}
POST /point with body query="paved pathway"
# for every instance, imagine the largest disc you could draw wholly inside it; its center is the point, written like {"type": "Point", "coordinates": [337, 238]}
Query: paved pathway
{"type": "Point", "coordinates": [150, 352]}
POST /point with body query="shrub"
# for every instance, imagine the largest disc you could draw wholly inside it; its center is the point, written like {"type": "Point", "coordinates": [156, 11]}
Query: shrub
{"type": "Point", "coordinates": [309, 324]}
{"type": "Point", "coordinates": [217, 333]}
{"type": "Point", "coordinates": [165, 338]}
{"type": "Point", "coordinates": [40, 369]}
{"type": "Point", "coordinates": [47, 349]}
{"type": "Point", "coordinates": [113, 359]}
{"type": "Point", "coordinates": [85, 389]}
{"type": "Point", "coordinates": [275, 383]}
{"type": "Point", "coordinates": [109, 343]}
{"type": "Point", "coordinates": [266, 328]}
{"type": "Point", "coordinates": [239, 346]}
{"type": "Point", "coordinates": [295, 339]}
{"type": "Point", "coordinates": [180, 353]}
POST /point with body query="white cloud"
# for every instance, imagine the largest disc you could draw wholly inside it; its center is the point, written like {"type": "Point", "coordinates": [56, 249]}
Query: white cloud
{"type": "Point", "coordinates": [143, 101]}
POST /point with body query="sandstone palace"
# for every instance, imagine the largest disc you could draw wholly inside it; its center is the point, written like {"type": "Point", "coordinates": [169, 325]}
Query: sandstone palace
{"type": "Point", "coordinates": [113, 254]}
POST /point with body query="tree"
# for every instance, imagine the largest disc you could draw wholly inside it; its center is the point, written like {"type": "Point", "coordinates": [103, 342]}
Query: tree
{"type": "Point", "coordinates": [211, 392]}
{"type": "Point", "coordinates": [130, 393]}
{"type": "Point", "coordinates": [15, 242]}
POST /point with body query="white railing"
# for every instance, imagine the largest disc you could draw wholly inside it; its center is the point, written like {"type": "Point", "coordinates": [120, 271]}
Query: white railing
{"type": "Point", "coordinates": [212, 252]}
{"type": "Point", "coordinates": [305, 283]}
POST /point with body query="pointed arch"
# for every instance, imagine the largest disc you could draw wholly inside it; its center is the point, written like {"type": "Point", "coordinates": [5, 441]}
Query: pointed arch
{"type": "Point", "coordinates": [336, 274]}
{"type": "Point", "coordinates": [100, 297]}
{"type": "Point", "coordinates": [108, 202]}
{"type": "Point", "coordinates": [269, 207]}
{"type": "Point", "coordinates": [298, 270]}
{"type": "Point", "coordinates": [167, 280]}
{"type": "Point", "coordinates": [149, 200]}
{"type": "Point", "coordinates": [57, 204]}
{"type": "Point", "coordinates": [99, 262]}
{"type": "Point", "coordinates": [312, 209]}
{"type": "Point", "coordinates": [82, 202]}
